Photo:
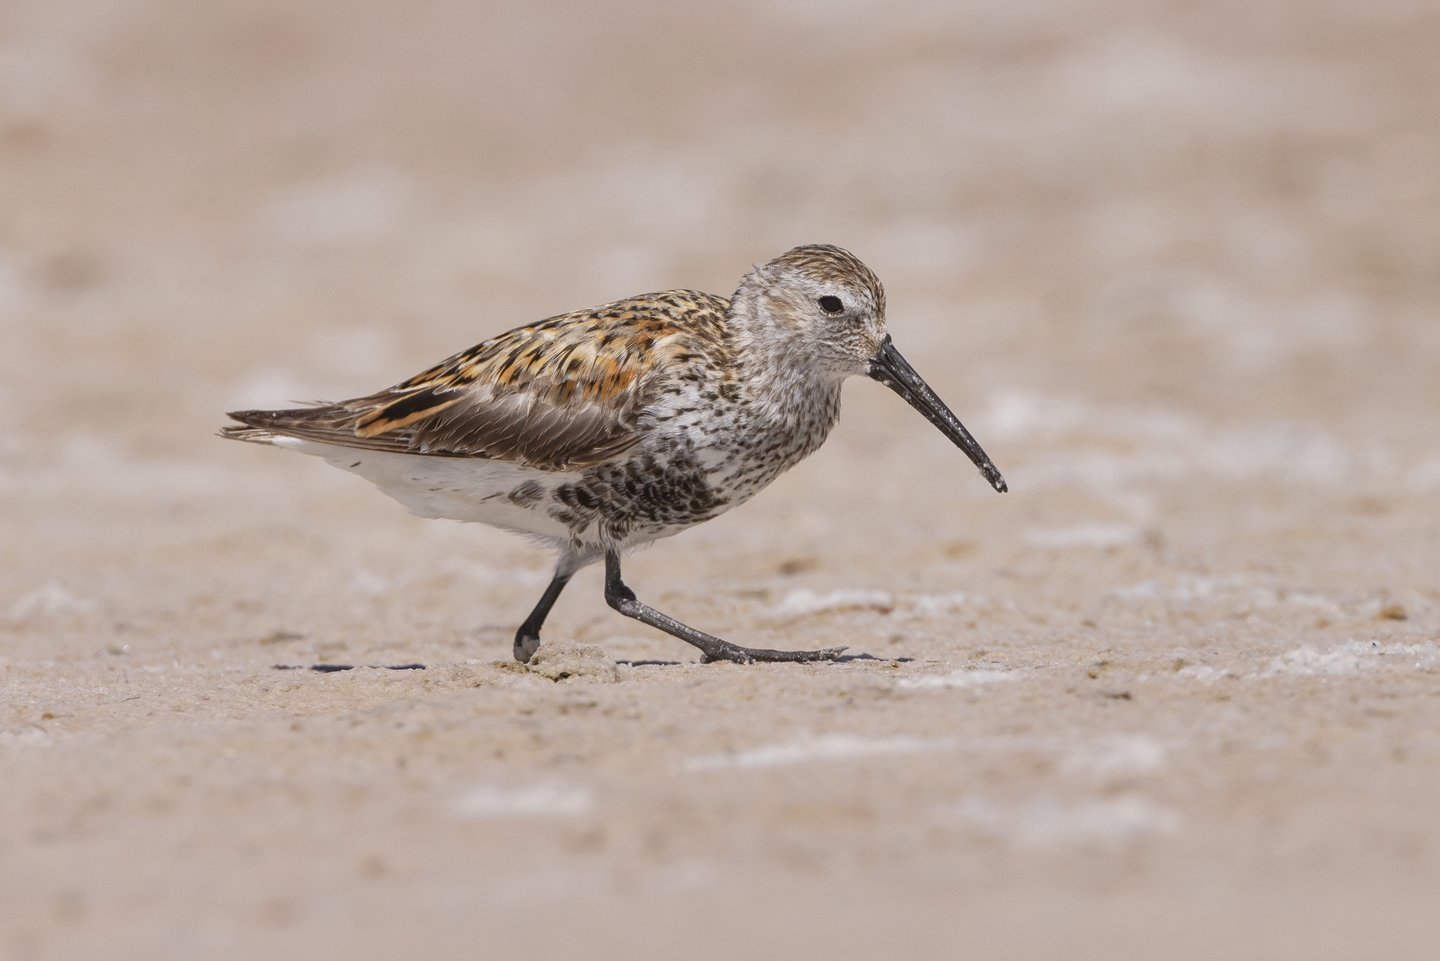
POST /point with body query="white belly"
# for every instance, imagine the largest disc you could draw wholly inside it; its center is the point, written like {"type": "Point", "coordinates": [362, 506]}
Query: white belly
{"type": "Point", "coordinates": [457, 488]}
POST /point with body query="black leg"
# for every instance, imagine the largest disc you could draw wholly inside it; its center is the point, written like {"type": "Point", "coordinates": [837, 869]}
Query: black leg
{"type": "Point", "coordinates": [620, 597]}
{"type": "Point", "coordinates": [527, 639]}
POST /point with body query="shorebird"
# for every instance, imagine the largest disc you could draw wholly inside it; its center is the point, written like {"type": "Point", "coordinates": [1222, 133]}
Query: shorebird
{"type": "Point", "coordinates": [605, 429]}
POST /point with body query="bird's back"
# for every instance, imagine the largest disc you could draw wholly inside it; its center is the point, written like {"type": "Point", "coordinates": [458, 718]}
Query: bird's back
{"type": "Point", "coordinates": [561, 394]}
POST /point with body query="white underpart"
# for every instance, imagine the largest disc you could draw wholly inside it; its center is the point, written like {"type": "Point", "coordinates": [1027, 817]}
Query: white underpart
{"type": "Point", "coordinates": [458, 488]}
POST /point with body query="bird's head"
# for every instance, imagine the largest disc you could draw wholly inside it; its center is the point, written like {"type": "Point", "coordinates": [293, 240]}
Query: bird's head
{"type": "Point", "coordinates": [819, 306]}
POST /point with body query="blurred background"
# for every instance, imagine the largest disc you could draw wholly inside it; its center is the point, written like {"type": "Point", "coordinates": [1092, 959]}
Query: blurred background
{"type": "Point", "coordinates": [1124, 239]}
{"type": "Point", "coordinates": [1224, 209]}
{"type": "Point", "coordinates": [1176, 265]}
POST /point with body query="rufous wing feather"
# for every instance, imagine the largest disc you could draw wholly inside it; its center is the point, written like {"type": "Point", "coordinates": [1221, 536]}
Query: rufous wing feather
{"type": "Point", "coordinates": [564, 393]}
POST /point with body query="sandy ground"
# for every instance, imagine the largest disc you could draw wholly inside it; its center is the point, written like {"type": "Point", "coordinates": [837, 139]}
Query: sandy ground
{"type": "Point", "coordinates": [1175, 696]}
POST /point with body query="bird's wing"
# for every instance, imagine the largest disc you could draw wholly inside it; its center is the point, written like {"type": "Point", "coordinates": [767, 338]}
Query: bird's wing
{"type": "Point", "coordinates": [563, 393]}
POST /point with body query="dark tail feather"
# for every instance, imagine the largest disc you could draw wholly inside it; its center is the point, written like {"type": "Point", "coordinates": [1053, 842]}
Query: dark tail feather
{"type": "Point", "coordinates": [326, 423]}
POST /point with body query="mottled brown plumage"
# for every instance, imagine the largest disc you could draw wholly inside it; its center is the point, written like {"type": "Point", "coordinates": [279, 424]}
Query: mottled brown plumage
{"type": "Point", "coordinates": [603, 429]}
{"type": "Point", "coordinates": [556, 395]}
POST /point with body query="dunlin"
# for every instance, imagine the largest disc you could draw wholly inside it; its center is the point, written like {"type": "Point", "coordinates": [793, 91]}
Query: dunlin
{"type": "Point", "coordinates": [605, 429]}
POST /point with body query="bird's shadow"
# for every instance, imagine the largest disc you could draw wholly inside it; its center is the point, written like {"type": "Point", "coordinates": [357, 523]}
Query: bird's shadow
{"type": "Point", "coordinates": [847, 658]}
{"type": "Point", "coordinates": [653, 662]}
{"type": "Point", "coordinates": [335, 668]}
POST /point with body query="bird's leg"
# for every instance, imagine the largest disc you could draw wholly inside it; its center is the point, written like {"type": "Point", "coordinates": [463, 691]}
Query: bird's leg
{"type": "Point", "coordinates": [527, 639]}
{"type": "Point", "coordinates": [620, 597]}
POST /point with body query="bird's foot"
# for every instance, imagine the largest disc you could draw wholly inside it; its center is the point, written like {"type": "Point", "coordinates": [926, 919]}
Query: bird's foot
{"type": "Point", "coordinates": [725, 651]}
{"type": "Point", "coordinates": [525, 648]}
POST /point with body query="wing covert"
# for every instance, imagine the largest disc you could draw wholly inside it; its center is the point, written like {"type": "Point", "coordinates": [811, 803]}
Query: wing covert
{"type": "Point", "coordinates": [564, 393]}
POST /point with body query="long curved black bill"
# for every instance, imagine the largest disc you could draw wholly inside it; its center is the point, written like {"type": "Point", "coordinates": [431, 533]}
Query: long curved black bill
{"type": "Point", "coordinates": [895, 372]}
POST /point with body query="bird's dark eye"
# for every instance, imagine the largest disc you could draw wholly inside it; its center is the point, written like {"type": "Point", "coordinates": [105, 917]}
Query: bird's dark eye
{"type": "Point", "coordinates": [831, 304]}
